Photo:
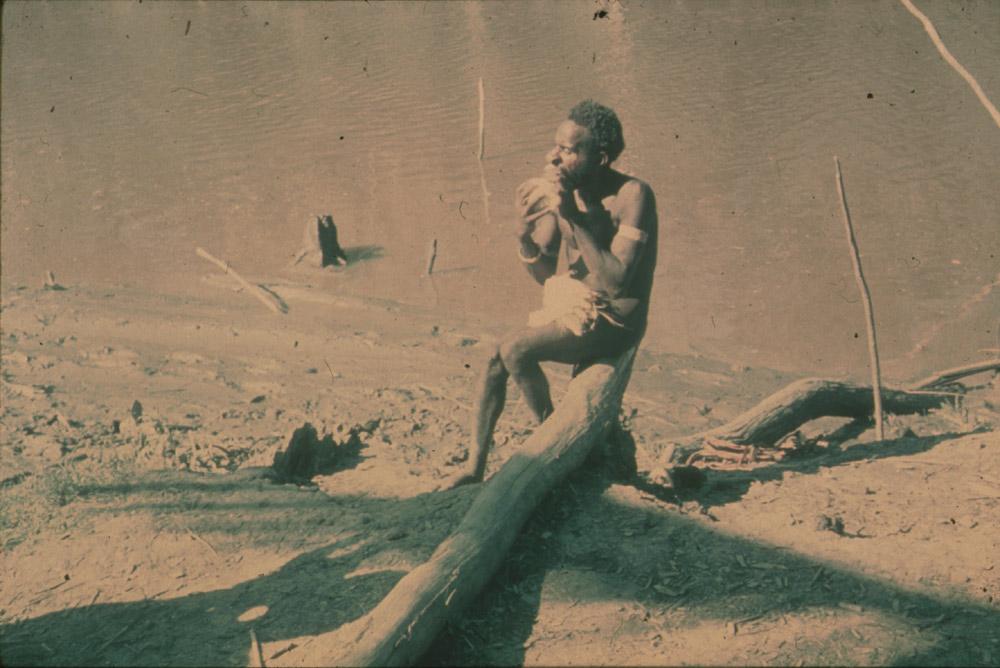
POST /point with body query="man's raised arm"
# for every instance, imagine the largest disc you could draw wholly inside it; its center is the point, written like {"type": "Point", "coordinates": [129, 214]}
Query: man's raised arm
{"type": "Point", "coordinates": [537, 231]}
{"type": "Point", "coordinates": [613, 268]}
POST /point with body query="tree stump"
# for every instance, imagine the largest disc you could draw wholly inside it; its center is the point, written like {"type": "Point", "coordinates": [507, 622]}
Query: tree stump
{"type": "Point", "coordinates": [321, 245]}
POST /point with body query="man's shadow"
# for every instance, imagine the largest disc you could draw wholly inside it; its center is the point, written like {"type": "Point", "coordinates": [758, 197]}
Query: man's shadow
{"type": "Point", "coordinates": [339, 581]}
{"type": "Point", "coordinates": [313, 593]}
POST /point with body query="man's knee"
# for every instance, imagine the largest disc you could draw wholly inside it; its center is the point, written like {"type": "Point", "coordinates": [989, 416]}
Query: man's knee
{"type": "Point", "coordinates": [515, 353]}
{"type": "Point", "coordinates": [495, 366]}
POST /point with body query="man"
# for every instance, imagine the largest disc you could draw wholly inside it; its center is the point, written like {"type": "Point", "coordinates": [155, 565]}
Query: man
{"type": "Point", "coordinates": [598, 227]}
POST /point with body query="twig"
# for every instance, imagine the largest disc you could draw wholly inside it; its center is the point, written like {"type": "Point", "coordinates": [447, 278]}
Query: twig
{"type": "Point", "coordinates": [55, 586]}
{"type": "Point", "coordinates": [482, 151]}
{"type": "Point", "coordinates": [950, 59]}
{"type": "Point", "coordinates": [746, 620]}
{"type": "Point", "coordinates": [614, 634]}
{"type": "Point", "coordinates": [50, 282]}
{"type": "Point", "coordinates": [254, 290]}
{"type": "Point", "coordinates": [332, 375]}
{"type": "Point", "coordinates": [432, 252]}
{"type": "Point", "coordinates": [482, 119]}
{"type": "Point", "coordinates": [907, 463]}
{"type": "Point", "coordinates": [117, 635]}
{"type": "Point", "coordinates": [190, 90]}
{"type": "Point", "coordinates": [275, 297]}
{"type": "Point", "coordinates": [284, 650]}
{"type": "Point", "coordinates": [205, 542]}
{"type": "Point", "coordinates": [867, 299]}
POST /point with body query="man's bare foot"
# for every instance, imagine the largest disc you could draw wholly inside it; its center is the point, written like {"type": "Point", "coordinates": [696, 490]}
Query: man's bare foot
{"type": "Point", "coordinates": [458, 480]}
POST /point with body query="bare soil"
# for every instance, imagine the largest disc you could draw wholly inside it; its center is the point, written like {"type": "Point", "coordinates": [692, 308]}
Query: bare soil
{"type": "Point", "coordinates": [139, 525]}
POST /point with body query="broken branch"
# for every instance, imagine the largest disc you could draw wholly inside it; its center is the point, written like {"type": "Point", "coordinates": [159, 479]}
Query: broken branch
{"type": "Point", "coordinates": [951, 375]}
{"type": "Point", "coordinates": [767, 423]}
{"type": "Point", "coordinates": [253, 289]}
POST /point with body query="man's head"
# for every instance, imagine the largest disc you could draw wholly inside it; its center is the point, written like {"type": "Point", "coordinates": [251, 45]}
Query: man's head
{"type": "Point", "coordinates": [587, 142]}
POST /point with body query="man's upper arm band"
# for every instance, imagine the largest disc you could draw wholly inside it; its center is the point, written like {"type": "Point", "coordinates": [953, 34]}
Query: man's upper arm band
{"type": "Point", "coordinates": [633, 233]}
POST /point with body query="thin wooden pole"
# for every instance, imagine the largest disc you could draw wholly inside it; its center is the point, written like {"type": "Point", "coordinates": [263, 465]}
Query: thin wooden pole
{"type": "Point", "coordinates": [432, 252]}
{"type": "Point", "coordinates": [482, 152]}
{"type": "Point", "coordinates": [950, 59]}
{"type": "Point", "coordinates": [482, 119]}
{"type": "Point", "coordinates": [866, 298]}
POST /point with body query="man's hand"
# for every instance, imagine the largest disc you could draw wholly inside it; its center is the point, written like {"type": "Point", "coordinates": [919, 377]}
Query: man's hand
{"type": "Point", "coordinates": [535, 198]}
{"type": "Point", "coordinates": [568, 207]}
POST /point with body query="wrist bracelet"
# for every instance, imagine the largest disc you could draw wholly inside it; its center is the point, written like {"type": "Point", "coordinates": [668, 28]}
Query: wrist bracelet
{"type": "Point", "coordinates": [529, 260]}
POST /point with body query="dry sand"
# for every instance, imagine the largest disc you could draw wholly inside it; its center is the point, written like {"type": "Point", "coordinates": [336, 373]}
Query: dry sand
{"type": "Point", "coordinates": [138, 526]}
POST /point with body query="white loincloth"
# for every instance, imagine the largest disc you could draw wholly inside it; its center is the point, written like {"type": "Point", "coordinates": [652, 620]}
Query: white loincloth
{"type": "Point", "coordinates": [569, 302]}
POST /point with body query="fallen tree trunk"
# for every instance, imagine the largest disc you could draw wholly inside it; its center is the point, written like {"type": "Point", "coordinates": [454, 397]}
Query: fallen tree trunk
{"type": "Point", "coordinates": [780, 414]}
{"type": "Point", "coordinates": [401, 628]}
{"type": "Point", "coordinates": [951, 375]}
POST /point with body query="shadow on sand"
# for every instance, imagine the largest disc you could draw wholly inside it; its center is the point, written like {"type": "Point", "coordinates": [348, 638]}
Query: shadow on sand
{"type": "Point", "coordinates": [357, 254]}
{"type": "Point", "coordinates": [579, 527]}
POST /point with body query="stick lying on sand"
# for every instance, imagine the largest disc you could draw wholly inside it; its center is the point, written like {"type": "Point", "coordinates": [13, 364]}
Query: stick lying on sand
{"type": "Point", "coordinates": [256, 291]}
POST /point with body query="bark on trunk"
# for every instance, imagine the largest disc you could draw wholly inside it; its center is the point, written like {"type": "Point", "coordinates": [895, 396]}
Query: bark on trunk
{"type": "Point", "coordinates": [951, 375]}
{"type": "Point", "coordinates": [767, 423]}
{"type": "Point", "coordinates": [401, 628]}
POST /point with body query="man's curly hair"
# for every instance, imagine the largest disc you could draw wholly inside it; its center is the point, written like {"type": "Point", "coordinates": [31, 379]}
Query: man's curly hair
{"type": "Point", "coordinates": [603, 124]}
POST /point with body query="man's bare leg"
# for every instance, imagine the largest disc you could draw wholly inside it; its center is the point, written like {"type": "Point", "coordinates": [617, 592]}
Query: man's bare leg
{"type": "Point", "coordinates": [520, 357]}
{"type": "Point", "coordinates": [528, 375]}
{"type": "Point", "coordinates": [490, 404]}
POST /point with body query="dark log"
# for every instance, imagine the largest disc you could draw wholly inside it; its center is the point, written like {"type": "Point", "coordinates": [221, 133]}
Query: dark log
{"type": "Point", "coordinates": [401, 628]}
{"type": "Point", "coordinates": [777, 416]}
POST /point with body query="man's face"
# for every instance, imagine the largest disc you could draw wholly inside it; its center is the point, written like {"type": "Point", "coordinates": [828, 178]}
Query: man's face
{"type": "Point", "coordinates": [574, 156]}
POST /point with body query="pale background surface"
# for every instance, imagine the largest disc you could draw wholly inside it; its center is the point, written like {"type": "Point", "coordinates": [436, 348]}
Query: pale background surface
{"type": "Point", "coordinates": [126, 143]}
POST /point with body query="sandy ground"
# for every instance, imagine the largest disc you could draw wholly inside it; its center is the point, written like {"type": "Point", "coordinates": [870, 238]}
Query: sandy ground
{"type": "Point", "coordinates": [139, 527]}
